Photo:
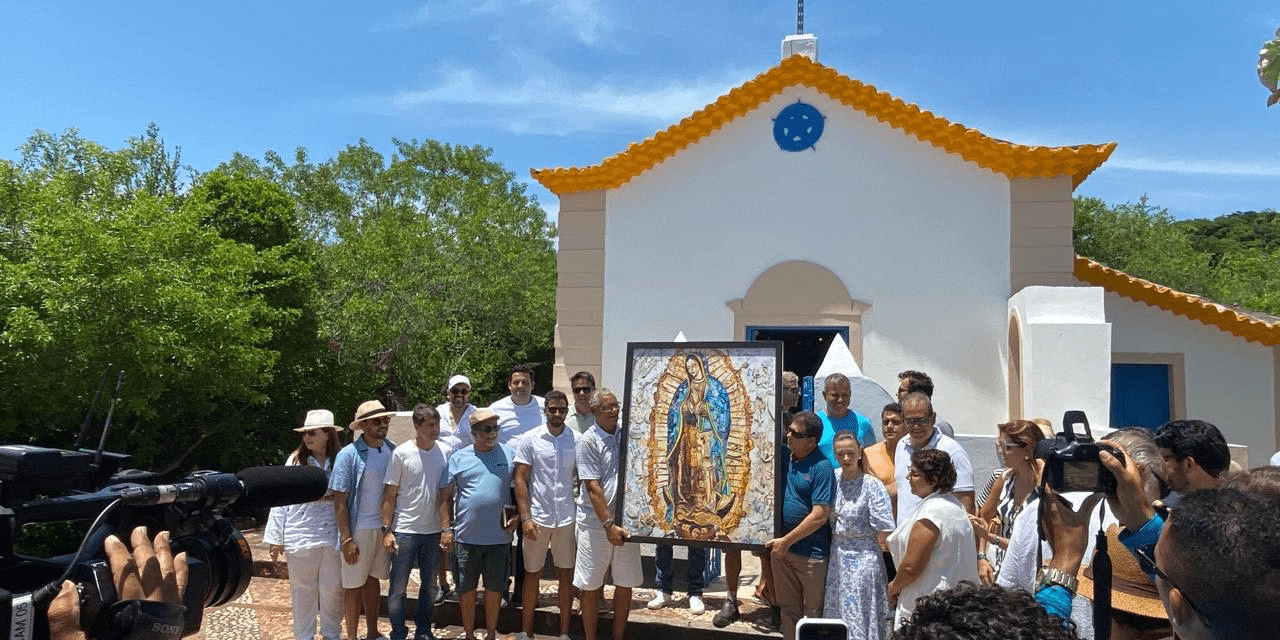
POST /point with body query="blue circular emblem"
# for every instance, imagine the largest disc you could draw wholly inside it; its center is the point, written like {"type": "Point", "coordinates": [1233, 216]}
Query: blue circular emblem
{"type": "Point", "coordinates": [797, 127]}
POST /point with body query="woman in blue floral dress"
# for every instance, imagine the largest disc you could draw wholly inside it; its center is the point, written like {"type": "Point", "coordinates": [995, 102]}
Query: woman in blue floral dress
{"type": "Point", "coordinates": [856, 581]}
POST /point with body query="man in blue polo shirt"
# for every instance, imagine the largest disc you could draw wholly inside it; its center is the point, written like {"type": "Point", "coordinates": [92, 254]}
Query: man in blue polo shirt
{"type": "Point", "coordinates": [799, 557]}
{"type": "Point", "coordinates": [837, 417]}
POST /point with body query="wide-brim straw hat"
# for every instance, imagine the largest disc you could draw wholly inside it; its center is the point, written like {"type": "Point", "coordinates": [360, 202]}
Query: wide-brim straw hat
{"type": "Point", "coordinates": [318, 419]}
{"type": "Point", "coordinates": [369, 409]}
{"type": "Point", "coordinates": [1131, 590]}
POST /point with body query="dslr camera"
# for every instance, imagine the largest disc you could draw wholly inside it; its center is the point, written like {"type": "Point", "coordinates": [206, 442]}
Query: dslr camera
{"type": "Point", "coordinates": [40, 485]}
{"type": "Point", "coordinates": [1071, 460]}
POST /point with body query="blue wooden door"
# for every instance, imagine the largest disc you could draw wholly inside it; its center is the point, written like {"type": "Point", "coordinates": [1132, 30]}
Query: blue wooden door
{"type": "Point", "coordinates": [1140, 395]}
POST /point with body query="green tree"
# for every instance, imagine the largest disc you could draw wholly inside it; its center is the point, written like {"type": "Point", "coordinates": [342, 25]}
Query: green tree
{"type": "Point", "coordinates": [106, 266]}
{"type": "Point", "coordinates": [434, 260]}
{"type": "Point", "coordinates": [1269, 68]}
{"type": "Point", "coordinates": [1141, 240]}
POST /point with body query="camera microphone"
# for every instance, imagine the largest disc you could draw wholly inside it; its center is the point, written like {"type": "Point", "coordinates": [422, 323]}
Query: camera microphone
{"type": "Point", "coordinates": [255, 487]}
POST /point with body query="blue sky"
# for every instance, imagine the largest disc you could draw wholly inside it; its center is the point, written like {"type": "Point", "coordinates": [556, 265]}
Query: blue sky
{"type": "Point", "coordinates": [549, 83]}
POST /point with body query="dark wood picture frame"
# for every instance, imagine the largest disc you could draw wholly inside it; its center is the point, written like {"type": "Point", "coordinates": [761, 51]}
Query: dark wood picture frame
{"type": "Point", "coordinates": [723, 402]}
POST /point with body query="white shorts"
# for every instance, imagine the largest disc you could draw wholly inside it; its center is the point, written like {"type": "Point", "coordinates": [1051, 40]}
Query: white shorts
{"type": "Point", "coordinates": [560, 540]}
{"type": "Point", "coordinates": [596, 555]}
{"type": "Point", "coordinates": [373, 560]}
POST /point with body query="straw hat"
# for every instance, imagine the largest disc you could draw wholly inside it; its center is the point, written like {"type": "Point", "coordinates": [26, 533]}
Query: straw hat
{"type": "Point", "coordinates": [482, 415]}
{"type": "Point", "coordinates": [369, 409]}
{"type": "Point", "coordinates": [318, 419]}
{"type": "Point", "coordinates": [1131, 590]}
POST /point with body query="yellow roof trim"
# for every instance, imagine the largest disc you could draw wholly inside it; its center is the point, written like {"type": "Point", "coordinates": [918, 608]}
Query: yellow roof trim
{"type": "Point", "coordinates": [1012, 160]}
{"type": "Point", "coordinates": [1183, 304]}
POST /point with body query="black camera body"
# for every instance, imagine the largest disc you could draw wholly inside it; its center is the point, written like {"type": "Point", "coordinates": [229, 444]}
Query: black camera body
{"type": "Point", "coordinates": [1071, 461]}
{"type": "Point", "coordinates": [219, 559]}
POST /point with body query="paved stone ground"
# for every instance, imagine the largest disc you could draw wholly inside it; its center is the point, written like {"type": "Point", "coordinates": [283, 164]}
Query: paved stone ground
{"type": "Point", "coordinates": [264, 611]}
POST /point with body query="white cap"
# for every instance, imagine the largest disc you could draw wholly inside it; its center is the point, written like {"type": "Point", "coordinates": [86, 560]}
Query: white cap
{"type": "Point", "coordinates": [458, 379]}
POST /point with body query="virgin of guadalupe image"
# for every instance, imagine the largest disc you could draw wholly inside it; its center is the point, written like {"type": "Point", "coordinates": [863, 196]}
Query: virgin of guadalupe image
{"type": "Point", "coordinates": [699, 492]}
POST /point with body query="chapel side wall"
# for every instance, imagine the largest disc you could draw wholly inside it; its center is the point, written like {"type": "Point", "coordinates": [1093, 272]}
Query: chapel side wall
{"type": "Point", "coordinates": [920, 235]}
{"type": "Point", "coordinates": [580, 269]}
{"type": "Point", "coordinates": [1041, 250]}
{"type": "Point", "coordinates": [1229, 381]}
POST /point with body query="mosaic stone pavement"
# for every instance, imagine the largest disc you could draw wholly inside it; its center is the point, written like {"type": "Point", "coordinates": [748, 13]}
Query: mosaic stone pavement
{"type": "Point", "coordinates": [263, 612]}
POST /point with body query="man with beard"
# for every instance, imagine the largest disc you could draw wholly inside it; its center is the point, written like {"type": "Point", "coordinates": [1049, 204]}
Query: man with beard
{"type": "Point", "coordinates": [356, 482]}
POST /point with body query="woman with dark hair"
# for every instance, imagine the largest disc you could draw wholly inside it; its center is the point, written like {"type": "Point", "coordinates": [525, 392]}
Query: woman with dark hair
{"type": "Point", "coordinates": [855, 573]}
{"type": "Point", "coordinates": [933, 546]}
{"type": "Point", "coordinates": [308, 536]}
{"type": "Point", "coordinates": [1011, 489]}
{"type": "Point", "coordinates": [969, 612]}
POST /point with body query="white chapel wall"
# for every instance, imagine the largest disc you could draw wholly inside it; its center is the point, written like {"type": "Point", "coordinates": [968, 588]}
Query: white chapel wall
{"type": "Point", "coordinates": [919, 234]}
{"type": "Point", "coordinates": [1229, 381]}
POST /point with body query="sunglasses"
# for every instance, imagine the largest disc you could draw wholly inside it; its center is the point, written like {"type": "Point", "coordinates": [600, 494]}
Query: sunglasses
{"type": "Point", "coordinates": [583, 389]}
{"type": "Point", "coordinates": [797, 434]}
{"type": "Point", "coordinates": [1006, 445]}
{"type": "Point", "coordinates": [489, 428]}
{"type": "Point", "coordinates": [564, 410]}
{"type": "Point", "coordinates": [1147, 558]}
{"type": "Point", "coordinates": [377, 421]}
{"type": "Point", "coordinates": [916, 422]}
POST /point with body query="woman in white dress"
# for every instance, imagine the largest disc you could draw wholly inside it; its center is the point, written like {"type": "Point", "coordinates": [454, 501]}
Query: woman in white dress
{"type": "Point", "coordinates": [308, 536]}
{"type": "Point", "coordinates": [933, 547]}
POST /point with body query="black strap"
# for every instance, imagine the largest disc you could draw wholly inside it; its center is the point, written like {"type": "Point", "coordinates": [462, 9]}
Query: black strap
{"type": "Point", "coordinates": [1101, 568]}
{"type": "Point", "coordinates": [143, 620]}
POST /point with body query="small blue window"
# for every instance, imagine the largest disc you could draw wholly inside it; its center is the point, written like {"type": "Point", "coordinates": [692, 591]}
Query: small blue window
{"type": "Point", "coordinates": [797, 127]}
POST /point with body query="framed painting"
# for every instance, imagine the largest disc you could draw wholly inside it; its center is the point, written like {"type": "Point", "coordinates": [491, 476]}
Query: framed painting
{"type": "Point", "coordinates": [698, 459]}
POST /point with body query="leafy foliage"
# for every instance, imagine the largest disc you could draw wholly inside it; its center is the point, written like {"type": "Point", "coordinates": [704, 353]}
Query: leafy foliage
{"type": "Point", "coordinates": [1232, 259]}
{"type": "Point", "coordinates": [1269, 68]}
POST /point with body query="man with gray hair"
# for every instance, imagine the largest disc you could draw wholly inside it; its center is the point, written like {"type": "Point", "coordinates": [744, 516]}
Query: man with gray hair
{"type": "Point", "coordinates": [602, 543]}
{"type": "Point", "coordinates": [919, 419]}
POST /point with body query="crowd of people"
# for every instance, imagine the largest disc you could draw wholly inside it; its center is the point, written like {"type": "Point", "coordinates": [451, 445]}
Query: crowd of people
{"type": "Point", "coordinates": [884, 531]}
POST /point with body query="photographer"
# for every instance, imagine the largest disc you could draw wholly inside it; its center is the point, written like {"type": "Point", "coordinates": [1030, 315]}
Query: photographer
{"type": "Point", "coordinates": [150, 572]}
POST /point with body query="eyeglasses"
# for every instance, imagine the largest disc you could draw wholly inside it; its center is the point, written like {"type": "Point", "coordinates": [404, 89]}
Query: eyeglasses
{"type": "Point", "coordinates": [917, 422]}
{"type": "Point", "coordinates": [489, 428]}
{"type": "Point", "coordinates": [557, 410]}
{"type": "Point", "coordinates": [583, 389]}
{"type": "Point", "coordinates": [609, 408]}
{"type": "Point", "coordinates": [1009, 444]}
{"type": "Point", "coordinates": [797, 434]}
{"type": "Point", "coordinates": [1147, 558]}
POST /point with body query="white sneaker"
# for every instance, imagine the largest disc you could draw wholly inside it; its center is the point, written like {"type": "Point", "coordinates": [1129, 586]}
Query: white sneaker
{"type": "Point", "coordinates": [659, 600]}
{"type": "Point", "coordinates": [522, 636]}
{"type": "Point", "coordinates": [696, 606]}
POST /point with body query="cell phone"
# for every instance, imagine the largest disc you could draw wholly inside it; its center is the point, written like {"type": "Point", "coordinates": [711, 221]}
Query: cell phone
{"type": "Point", "coordinates": [821, 629]}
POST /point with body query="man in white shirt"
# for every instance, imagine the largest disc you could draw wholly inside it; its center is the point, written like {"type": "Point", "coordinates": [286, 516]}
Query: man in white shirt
{"type": "Point", "coordinates": [602, 543]}
{"type": "Point", "coordinates": [583, 384]}
{"type": "Point", "coordinates": [455, 413]}
{"type": "Point", "coordinates": [918, 417]}
{"type": "Point", "coordinates": [411, 520]}
{"type": "Point", "coordinates": [520, 412]}
{"type": "Point", "coordinates": [544, 496]}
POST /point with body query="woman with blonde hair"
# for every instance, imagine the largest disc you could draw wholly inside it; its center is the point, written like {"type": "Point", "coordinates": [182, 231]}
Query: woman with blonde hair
{"type": "Point", "coordinates": [1011, 489]}
{"type": "Point", "coordinates": [308, 536]}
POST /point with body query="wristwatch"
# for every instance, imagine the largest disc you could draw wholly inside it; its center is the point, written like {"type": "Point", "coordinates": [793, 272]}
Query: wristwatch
{"type": "Point", "coordinates": [1050, 576]}
{"type": "Point", "coordinates": [607, 523]}
{"type": "Point", "coordinates": [386, 529]}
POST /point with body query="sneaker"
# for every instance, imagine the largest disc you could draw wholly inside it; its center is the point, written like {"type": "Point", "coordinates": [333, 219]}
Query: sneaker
{"type": "Point", "coordinates": [522, 636]}
{"type": "Point", "coordinates": [441, 594]}
{"type": "Point", "coordinates": [565, 637]}
{"type": "Point", "coordinates": [770, 624]}
{"type": "Point", "coordinates": [659, 600]}
{"type": "Point", "coordinates": [727, 614]}
{"type": "Point", "coordinates": [696, 606]}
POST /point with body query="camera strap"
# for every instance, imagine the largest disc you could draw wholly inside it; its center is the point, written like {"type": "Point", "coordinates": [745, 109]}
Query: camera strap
{"type": "Point", "coordinates": [1101, 568]}
{"type": "Point", "coordinates": [144, 620]}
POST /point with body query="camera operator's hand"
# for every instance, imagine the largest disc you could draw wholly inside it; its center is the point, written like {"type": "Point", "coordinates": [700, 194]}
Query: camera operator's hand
{"type": "Point", "coordinates": [1131, 504]}
{"type": "Point", "coordinates": [149, 572]}
{"type": "Point", "coordinates": [1067, 529]}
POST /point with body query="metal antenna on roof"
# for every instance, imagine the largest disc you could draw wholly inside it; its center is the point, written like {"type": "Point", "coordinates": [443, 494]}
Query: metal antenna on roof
{"type": "Point", "coordinates": [799, 16]}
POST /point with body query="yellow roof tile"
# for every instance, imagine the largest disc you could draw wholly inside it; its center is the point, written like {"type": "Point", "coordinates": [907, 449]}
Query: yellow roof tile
{"type": "Point", "coordinates": [1250, 327]}
{"type": "Point", "coordinates": [1012, 160]}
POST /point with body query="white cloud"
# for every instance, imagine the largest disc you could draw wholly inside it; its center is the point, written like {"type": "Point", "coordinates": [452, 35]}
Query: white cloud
{"type": "Point", "coordinates": [1204, 167]}
{"type": "Point", "coordinates": [545, 100]}
{"type": "Point", "coordinates": [584, 19]}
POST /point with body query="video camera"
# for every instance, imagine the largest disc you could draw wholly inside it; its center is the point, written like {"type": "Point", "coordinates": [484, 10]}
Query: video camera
{"type": "Point", "coordinates": [96, 487]}
{"type": "Point", "coordinates": [1071, 461]}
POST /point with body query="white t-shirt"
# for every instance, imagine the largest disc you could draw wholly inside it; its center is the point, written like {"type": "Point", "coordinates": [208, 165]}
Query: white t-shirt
{"type": "Point", "coordinates": [375, 466]}
{"type": "Point", "coordinates": [551, 468]}
{"type": "Point", "coordinates": [515, 420]}
{"type": "Point", "coordinates": [458, 435]}
{"type": "Point", "coordinates": [597, 460]}
{"type": "Point", "coordinates": [907, 501]}
{"type": "Point", "coordinates": [417, 474]}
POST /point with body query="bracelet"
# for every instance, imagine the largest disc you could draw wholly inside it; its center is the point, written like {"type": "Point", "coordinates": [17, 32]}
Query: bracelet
{"type": "Point", "coordinates": [1050, 576]}
{"type": "Point", "coordinates": [344, 542]}
{"type": "Point", "coordinates": [982, 555]}
{"type": "Point", "coordinates": [607, 523]}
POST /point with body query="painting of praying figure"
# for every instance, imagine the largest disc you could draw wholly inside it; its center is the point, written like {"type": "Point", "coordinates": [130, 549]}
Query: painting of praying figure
{"type": "Point", "coordinates": [700, 443]}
